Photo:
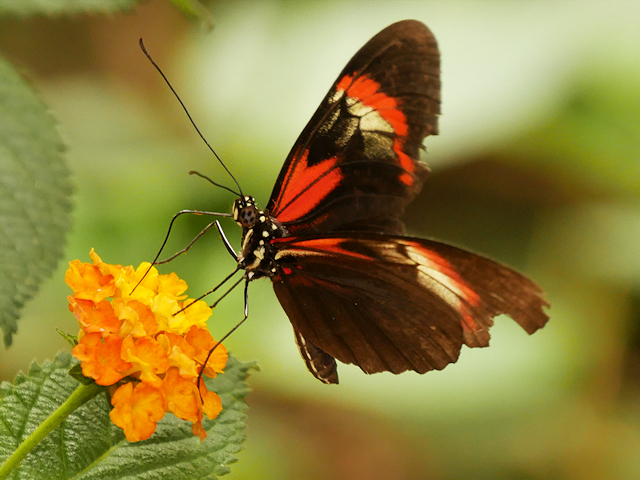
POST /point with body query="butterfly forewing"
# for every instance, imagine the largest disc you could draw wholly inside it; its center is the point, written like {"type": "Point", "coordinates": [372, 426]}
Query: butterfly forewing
{"type": "Point", "coordinates": [356, 164]}
{"type": "Point", "coordinates": [395, 303]}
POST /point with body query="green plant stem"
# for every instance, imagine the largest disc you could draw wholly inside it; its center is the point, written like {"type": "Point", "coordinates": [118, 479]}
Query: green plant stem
{"type": "Point", "coordinates": [81, 395]}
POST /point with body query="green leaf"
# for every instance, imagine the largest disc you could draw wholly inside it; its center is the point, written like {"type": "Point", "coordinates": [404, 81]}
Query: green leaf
{"type": "Point", "coordinates": [76, 372]}
{"type": "Point", "coordinates": [34, 196]}
{"type": "Point", "coordinates": [72, 339]}
{"type": "Point", "coordinates": [26, 8]}
{"type": "Point", "coordinates": [87, 446]}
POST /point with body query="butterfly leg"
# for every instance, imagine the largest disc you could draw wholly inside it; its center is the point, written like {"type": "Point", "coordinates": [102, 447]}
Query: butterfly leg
{"type": "Point", "coordinates": [226, 241]}
{"type": "Point", "coordinates": [246, 315]}
{"type": "Point", "coordinates": [204, 230]}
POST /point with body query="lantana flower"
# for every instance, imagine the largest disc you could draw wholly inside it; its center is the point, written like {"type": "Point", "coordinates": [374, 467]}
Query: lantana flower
{"type": "Point", "coordinates": [137, 333]}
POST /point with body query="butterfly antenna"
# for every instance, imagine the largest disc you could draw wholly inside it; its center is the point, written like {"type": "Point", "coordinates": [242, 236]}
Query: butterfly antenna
{"type": "Point", "coordinates": [193, 172]}
{"type": "Point", "coordinates": [144, 50]}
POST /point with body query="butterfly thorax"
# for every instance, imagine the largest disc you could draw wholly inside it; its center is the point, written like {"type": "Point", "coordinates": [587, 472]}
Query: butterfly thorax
{"type": "Point", "coordinates": [258, 229]}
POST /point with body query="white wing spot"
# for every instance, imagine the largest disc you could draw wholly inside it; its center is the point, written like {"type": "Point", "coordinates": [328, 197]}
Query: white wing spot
{"type": "Point", "coordinates": [373, 122]}
{"type": "Point", "coordinates": [336, 96]}
{"type": "Point", "coordinates": [359, 109]}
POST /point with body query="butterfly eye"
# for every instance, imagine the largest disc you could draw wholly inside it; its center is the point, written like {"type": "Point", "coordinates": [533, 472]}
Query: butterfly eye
{"type": "Point", "coordinates": [247, 216]}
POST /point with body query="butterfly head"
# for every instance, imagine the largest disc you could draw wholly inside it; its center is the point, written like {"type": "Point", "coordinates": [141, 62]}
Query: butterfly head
{"type": "Point", "coordinates": [245, 212]}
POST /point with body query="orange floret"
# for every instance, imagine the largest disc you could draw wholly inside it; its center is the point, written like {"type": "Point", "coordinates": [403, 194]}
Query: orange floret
{"type": "Point", "coordinates": [212, 407]}
{"type": "Point", "coordinates": [147, 358]}
{"type": "Point", "coordinates": [101, 358]}
{"type": "Point", "coordinates": [212, 403]}
{"type": "Point", "coordinates": [88, 282]}
{"type": "Point", "coordinates": [95, 317]}
{"type": "Point", "coordinates": [202, 341]}
{"type": "Point", "coordinates": [172, 286]}
{"type": "Point", "coordinates": [181, 354]}
{"type": "Point", "coordinates": [136, 410]}
{"type": "Point", "coordinates": [182, 396]}
{"type": "Point", "coordinates": [140, 320]}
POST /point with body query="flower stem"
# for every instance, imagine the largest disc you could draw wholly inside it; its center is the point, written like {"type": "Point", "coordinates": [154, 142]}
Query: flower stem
{"type": "Point", "coordinates": [81, 395]}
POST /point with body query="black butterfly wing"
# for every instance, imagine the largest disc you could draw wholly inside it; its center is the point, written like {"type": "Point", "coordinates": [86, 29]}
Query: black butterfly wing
{"type": "Point", "coordinates": [356, 164]}
{"type": "Point", "coordinates": [394, 304]}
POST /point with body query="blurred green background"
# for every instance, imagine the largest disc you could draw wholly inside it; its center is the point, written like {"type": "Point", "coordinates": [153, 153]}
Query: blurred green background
{"type": "Point", "coordinates": [537, 165]}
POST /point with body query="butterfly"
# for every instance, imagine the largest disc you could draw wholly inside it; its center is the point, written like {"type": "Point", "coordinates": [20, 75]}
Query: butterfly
{"type": "Point", "coordinates": [331, 241]}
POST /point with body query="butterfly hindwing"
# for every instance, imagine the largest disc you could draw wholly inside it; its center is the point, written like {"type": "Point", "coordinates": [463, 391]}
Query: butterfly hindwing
{"type": "Point", "coordinates": [395, 303]}
{"type": "Point", "coordinates": [356, 164]}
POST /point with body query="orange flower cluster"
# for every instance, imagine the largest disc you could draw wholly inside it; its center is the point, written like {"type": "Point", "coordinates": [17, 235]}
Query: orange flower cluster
{"type": "Point", "coordinates": [144, 337]}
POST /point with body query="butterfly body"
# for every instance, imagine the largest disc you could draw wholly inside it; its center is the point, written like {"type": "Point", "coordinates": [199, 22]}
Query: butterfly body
{"type": "Point", "coordinates": [331, 239]}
